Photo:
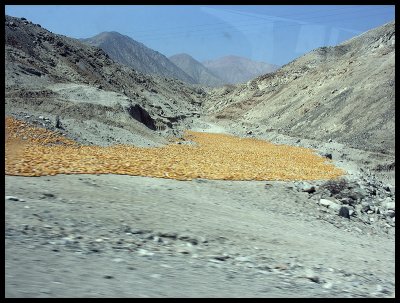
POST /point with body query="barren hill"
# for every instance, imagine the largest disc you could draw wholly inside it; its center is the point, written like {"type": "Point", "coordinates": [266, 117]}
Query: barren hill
{"type": "Point", "coordinates": [125, 50]}
{"type": "Point", "coordinates": [345, 93]}
{"type": "Point", "coordinates": [196, 70]}
{"type": "Point", "coordinates": [235, 69]}
{"type": "Point", "coordinates": [50, 75]}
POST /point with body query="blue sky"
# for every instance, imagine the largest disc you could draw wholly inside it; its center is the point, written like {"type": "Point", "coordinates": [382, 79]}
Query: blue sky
{"type": "Point", "coordinates": [275, 34]}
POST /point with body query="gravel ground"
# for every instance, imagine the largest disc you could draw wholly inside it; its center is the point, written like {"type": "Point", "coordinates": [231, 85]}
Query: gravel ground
{"type": "Point", "coordinates": [126, 236]}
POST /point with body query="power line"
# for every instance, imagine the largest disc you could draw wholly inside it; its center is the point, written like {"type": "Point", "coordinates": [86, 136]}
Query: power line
{"type": "Point", "coordinates": [196, 32]}
{"type": "Point", "coordinates": [216, 23]}
{"type": "Point", "coordinates": [220, 28]}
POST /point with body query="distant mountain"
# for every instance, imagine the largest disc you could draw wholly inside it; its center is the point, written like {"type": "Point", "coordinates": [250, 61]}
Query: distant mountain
{"type": "Point", "coordinates": [196, 70]}
{"type": "Point", "coordinates": [127, 51]}
{"type": "Point", "coordinates": [234, 69]}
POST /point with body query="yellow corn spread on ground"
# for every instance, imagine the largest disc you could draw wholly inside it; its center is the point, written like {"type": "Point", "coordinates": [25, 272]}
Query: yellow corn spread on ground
{"type": "Point", "coordinates": [32, 151]}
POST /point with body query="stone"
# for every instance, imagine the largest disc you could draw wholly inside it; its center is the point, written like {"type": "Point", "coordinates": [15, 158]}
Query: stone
{"type": "Point", "coordinates": [328, 285]}
{"type": "Point", "coordinates": [136, 231]}
{"type": "Point", "coordinates": [189, 239]}
{"type": "Point", "coordinates": [67, 240]}
{"type": "Point", "coordinates": [358, 230]}
{"type": "Point", "coordinates": [325, 202]}
{"type": "Point", "coordinates": [390, 213]}
{"type": "Point", "coordinates": [346, 200]}
{"type": "Point", "coordinates": [58, 122]}
{"type": "Point", "coordinates": [171, 235]}
{"type": "Point", "coordinates": [365, 206]}
{"type": "Point", "coordinates": [183, 250]}
{"type": "Point", "coordinates": [311, 275]}
{"type": "Point", "coordinates": [344, 212]}
{"type": "Point", "coordinates": [12, 198]}
{"type": "Point", "coordinates": [309, 189]}
{"type": "Point", "coordinates": [243, 259]}
{"type": "Point", "coordinates": [390, 205]}
{"type": "Point", "coordinates": [334, 206]}
{"type": "Point", "coordinates": [144, 252]}
{"type": "Point", "coordinates": [222, 257]}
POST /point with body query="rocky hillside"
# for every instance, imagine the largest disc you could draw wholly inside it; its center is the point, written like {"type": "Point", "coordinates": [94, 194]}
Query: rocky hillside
{"type": "Point", "coordinates": [344, 93]}
{"type": "Point", "coordinates": [48, 74]}
{"type": "Point", "coordinates": [125, 50]}
{"type": "Point", "coordinates": [196, 70]}
{"type": "Point", "coordinates": [234, 69]}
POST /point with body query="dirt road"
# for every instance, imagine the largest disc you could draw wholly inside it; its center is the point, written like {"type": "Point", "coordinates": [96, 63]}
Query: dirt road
{"type": "Point", "coordinates": [127, 236]}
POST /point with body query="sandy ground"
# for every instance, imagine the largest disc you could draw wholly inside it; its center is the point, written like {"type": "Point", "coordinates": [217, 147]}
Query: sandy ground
{"type": "Point", "coordinates": [126, 236]}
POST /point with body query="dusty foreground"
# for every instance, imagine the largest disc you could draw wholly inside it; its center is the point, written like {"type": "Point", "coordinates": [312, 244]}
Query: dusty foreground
{"type": "Point", "coordinates": [126, 236]}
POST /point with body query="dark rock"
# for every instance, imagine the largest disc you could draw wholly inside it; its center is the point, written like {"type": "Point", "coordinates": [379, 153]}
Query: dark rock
{"type": "Point", "coordinates": [222, 257]}
{"type": "Point", "coordinates": [365, 206]}
{"type": "Point", "coordinates": [141, 115]}
{"type": "Point", "coordinates": [311, 275]}
{"type": "Point", "coordinates": [189, 239]}
{"type": "Point", "coordinates": [309, 190]}
{"type": "Point", "coordinates": [12, 198]}
{"type": "Point", "coordinates": [344, 212]}
{"type": "Point", "coordinates": [329, 156]}
{"type": "Point", "coordinates": [390, 213]}
{"type": "Point", "coordinates": [171, 235]}
{"type": "Point", "coordinates": [58, 122]}
{"type": "Point", "coordinates": [346, 200]}
{"type": "Point", "coordinates": [140, 231]}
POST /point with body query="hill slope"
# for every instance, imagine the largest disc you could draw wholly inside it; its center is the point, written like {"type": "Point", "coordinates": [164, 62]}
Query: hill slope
{"type": "Point", "coordinates": [234, 69]}
{"type": "Point", "coordinates": [49, 74]}
{"type": "Point", "coordinates": [125, 50]}
{"type": "Point", "coordinates": [345, 93]}
{"type": "Point", "coordinates": [196, 70]}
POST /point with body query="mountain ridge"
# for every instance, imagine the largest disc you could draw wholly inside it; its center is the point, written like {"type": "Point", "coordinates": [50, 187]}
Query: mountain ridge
{"type": "Point", "coordinates": [235, 69]}
{"type": "Point", "coordinates": [196, 70]}
{"type": "Point", "coordinates": [130, 52]}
